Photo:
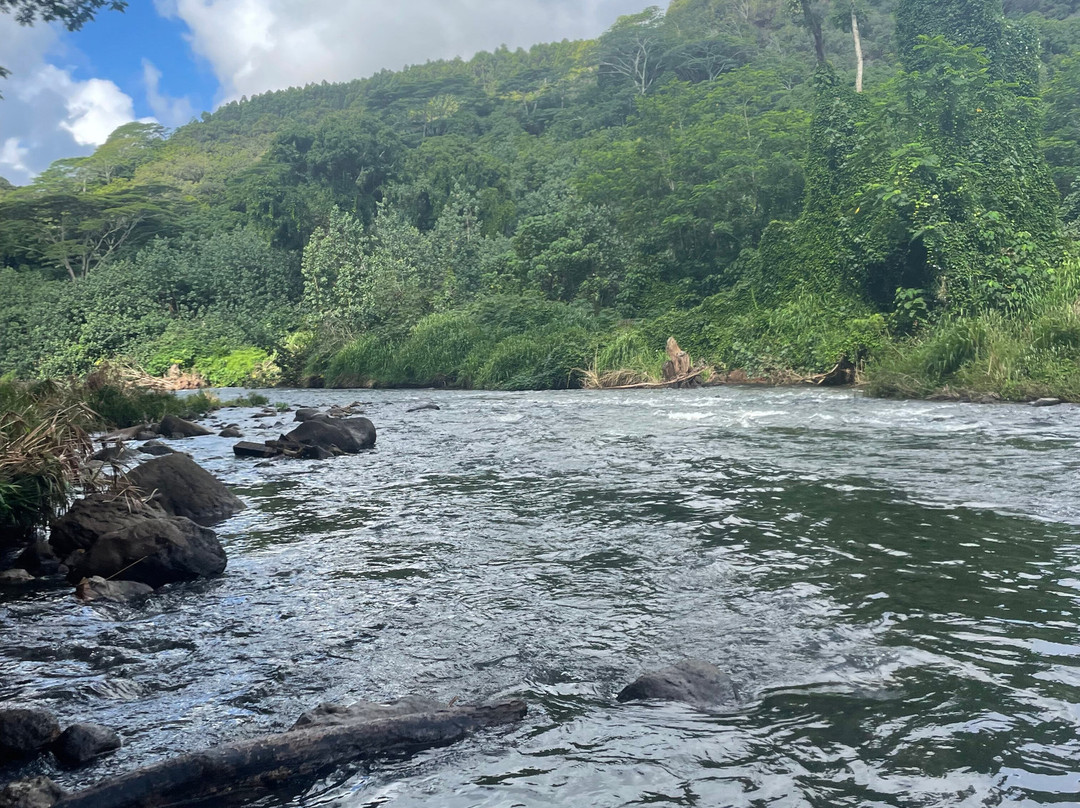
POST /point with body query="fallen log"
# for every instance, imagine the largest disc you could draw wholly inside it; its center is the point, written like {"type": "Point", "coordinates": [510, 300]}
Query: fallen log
{"type": "Point", "coordinates": [238, 770]}
{"type": "Point", "coordinates": [676, 382]}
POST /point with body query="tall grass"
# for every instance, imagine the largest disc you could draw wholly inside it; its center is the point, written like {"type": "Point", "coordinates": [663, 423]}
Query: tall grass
{"type": "Point", "coordinates": [1021, 356]}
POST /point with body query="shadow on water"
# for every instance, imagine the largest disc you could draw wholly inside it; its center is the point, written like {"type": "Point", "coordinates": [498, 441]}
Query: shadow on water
{"type": "Point", "coordinates": [898, 616]}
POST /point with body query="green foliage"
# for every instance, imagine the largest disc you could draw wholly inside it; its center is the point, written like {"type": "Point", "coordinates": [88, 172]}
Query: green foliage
{"type": "Point", "coordinates": [244, 367]}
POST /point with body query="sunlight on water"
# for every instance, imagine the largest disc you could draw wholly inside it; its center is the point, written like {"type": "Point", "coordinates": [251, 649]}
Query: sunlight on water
{"type": "Point", "coordinates": [892, 586]}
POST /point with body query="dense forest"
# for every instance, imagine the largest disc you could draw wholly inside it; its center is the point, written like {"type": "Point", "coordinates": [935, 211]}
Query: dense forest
{"type": "Point", "coordinates": [775, 184]}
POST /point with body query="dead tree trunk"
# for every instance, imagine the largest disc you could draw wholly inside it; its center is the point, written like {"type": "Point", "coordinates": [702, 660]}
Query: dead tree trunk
{"type": "Point", "coordinates": [858, 49]}
{"type": "Point", "coordinates": [238, 770]}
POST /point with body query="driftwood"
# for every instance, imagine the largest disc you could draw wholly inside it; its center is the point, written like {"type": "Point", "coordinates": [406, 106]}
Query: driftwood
{"type": "Point", "coordinates": [238, 770]}
{"type": "Point", "coordinates": [842, 373]}
{"type": "Point", "coordinates": [688, 379]}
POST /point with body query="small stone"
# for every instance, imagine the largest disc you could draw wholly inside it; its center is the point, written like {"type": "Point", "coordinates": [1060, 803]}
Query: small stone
{"type": "Point", "coordinates": [430, 405]}
{"type": "Point", "coordinates": [156, 448]}
{"type": "Point", "coordinates": [231, 431]}
{"type": "Point", "coordinates": [41, 792]}
{"type": "Point", "coordinates": [15, 577]}
{"type": "Point", "coordinates": [1046, 402]}
{"type": "Point", "coordinates": [97, 588]}
{"type": "Point", "coordinates": [81, 743]}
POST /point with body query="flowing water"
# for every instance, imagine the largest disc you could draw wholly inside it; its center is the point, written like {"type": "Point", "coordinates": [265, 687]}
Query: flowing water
{"type": "Point", "coordinates": [893, 586]}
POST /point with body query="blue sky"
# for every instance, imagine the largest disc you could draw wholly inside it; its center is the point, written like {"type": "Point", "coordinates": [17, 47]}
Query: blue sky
{"type": "Point", "coordinates": [168, 60]}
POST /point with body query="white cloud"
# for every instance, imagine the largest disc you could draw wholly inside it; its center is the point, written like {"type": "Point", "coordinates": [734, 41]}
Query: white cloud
{"type": "Point", "coordinates": [259, 45]}
{"type": "Point", "coordinates": [46, 114]}
{"type": "Point", "coordinates": [12, 154]}
{"type": "Point", "coordinates": [168, 110]}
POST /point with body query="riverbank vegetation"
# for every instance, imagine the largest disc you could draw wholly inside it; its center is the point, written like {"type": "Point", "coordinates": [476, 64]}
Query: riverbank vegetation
{"type": "Point", "coordinates": [45, 429]}
{"type": "Point", "coordinates": [548, 218]}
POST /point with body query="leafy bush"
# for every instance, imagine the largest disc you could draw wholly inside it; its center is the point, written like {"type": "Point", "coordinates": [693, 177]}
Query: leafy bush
{"type": "Point", "coordinates": [244, 367]}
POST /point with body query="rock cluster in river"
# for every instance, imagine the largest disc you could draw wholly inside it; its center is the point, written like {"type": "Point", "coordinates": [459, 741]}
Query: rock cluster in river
{"type": "Point", "coordinates": [26, 732]}
{"type": "Point", "coordinates": [317, 437]}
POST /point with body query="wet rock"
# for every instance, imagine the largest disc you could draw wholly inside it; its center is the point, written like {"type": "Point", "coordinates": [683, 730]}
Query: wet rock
{"type": "Point", "coordinates": [39, 559]}
{"type": "Point", "coordinates": [89, 519]}
{"type": "Point", "coordinates": [306, 414]}
{"type": "Point", "coordinates": [130, 433]}
{"type": "Point", "coordinates": [25, 731]}
{"type": "Point", "coordinates": [81, 743]}
{"type": "Point", "coordinates": [430, 405]}
{"type": "Point", "coordinates": [248, 449]}
{"type": "Point", "coordinates": [113, 454]}
{"type": "Point", "coordinates": [330, 715]}
{"type": "Point", "coordinates": [146, 434]}
{"type": "Point", "coordinates": [97, 588]}
{"type": "Point", "coordinates": [231, 431]}
{"type": "Point", "coordinates": [154, 552]}
{"type": "Point", "coordinates": [156, 448]}
{"type": "Point", "coordinates": [1046, 402]}
{"type": "Point", "coordinates": [41, 792]}
{"type": "Point", "coordinates": [348, 435]}
{"type": "Point", "coordinates": [693, 681]}
{"type": "Point", "coordinates": [183, 488]}
{"type": "Point", "coordinates": [15, 577]}
{"type": "Point", "coordinates": [171, 426]}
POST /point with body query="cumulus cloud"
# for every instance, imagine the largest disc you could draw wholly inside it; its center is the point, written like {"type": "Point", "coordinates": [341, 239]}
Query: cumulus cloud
{"type": "Point", "coordinates": [259, 45]}
{"type": "Point", "coordinates": [168, 110]}
{"type": "Point", "coordinates": [46, 113]}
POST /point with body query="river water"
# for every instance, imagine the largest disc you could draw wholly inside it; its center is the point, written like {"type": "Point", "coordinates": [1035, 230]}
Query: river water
{"type": "Point", "coordinates": [893, 586]}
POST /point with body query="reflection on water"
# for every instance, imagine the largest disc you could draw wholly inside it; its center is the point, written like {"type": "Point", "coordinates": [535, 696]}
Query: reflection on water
{"type": "Point", "coordinates": [893, 587]}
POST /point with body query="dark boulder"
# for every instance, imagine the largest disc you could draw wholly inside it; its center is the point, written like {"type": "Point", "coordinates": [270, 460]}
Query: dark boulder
{"type": "Point", "coordinates": [25, 731]}
{"type": "Point", "coordinates": [306, 414]}
{"type": "Point", "coordinates": [348, 435]}
{"type": "Point", "coordinates": [41, 792]}
{"type": "Point", "coordinates": [183, 488]}
{"type": "Point", "coordinates": [156, 448]}
{"type": "Point", "coordinates": [97, 588]}
{"type": "Point", "coordinates": [173, 427]}
{"type": "Point", "coordinates": [89, 519]}
{"type": "Point", "coordinates": [693, 681]}
{"type": "Point", "coordinates": [154, 552]}
{"type": "Point", "coordinates": [81, 743]}
{"type": "Point", "coordinates": [231, 431]}
{"type": "Point", "coordinates": [246, 448]}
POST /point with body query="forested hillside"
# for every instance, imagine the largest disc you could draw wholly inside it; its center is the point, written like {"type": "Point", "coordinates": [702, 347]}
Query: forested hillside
{"type": "Point", "coordinates": [709, 172]}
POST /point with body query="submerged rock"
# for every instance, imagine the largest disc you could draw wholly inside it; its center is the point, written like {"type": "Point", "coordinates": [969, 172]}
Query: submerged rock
{"type": "Point", "coordinates": [25, 731]}
{"type": "Point", "coordinates": [156, 448]}
{"type": "Point", "coordinates": [330, 715]}
{"type": "Point", "coordinates": [154, 552]}
{"type": "Point", "coordinates": [97, 588]}
{"type": "Point", "coordinates": [183, 488]}
{"type": "Point", "coordinates": [430, 405]}
{"type": "Point", "coordinates": [693, 681]}
{"type": "Point", "coordinates": [41, 792]}
{"type": "Point", "coordinates": [81, 743]}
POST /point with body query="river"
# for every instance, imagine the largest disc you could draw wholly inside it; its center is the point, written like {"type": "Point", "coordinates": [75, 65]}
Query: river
{"type": "Point", "coordinates": [894, 588]}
